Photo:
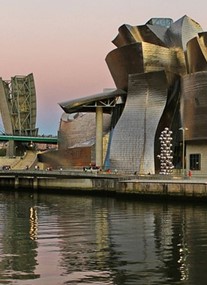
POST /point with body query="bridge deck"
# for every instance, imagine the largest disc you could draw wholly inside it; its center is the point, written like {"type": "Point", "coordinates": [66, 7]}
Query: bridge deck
{"type": "Point", "coordinates": [40, 139]}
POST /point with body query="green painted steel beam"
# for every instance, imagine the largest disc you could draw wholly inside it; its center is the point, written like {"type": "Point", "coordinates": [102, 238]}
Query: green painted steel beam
{"type": "Point", "coordinates": [40, 139]}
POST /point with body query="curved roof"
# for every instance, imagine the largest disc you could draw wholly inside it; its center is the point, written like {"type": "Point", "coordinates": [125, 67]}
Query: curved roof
{"type": "Point", "coordinates": [106, 99]}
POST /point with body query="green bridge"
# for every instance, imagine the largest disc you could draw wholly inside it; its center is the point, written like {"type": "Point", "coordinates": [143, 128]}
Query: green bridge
{"type": "Point", "coordinates": [39, 139]}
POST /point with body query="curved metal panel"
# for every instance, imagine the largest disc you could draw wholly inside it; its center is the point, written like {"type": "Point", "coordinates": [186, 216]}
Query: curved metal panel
{"type": "Point", "coordinates": [146, 33]}
{"type": "Point", "coordinates": [194, 105]}
{"type": "Point", "coordinates": [203, 38]}
{"type": "Point", "coordinates": [143, 57]}
{"type": "Point", "coordinates": [124, 36]}
{"type": "Point", "coordinates": [181, 31]}
{"type": "Point", "coordinates": [132, 146]}
{"type": "Point", "coordinates": [197, 54]}
{"type": "Point", "coordinates": [72, 128]}
{"type": "Point", "coordinates": [124, 61]}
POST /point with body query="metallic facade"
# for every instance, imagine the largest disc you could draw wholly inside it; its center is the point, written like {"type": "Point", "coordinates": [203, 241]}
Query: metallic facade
{"type": "Point", "coordinates": [142, 58]}
{"type": "Point", "coordinates": [132, 146]}
{"type": "Point", "coordinates": [162, 68]}
{"type": "Point", "coordinates": [71, 134]}
{"type": "Point", "coordinates": [178, 48]}
{"type": "Point", "coordinates": [194, 105]}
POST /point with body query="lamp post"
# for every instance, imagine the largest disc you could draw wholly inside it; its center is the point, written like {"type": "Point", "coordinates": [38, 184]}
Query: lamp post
{"type": "Point", "coordinates": [183, 151]}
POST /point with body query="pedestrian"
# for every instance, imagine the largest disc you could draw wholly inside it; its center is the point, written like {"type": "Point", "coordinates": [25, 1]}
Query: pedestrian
{"type": "Point", "coordinates": [189, 173]}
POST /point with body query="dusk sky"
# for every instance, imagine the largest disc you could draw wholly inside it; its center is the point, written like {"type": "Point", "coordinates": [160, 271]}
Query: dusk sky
{"type": "Point", "coordinates": [64, 44]}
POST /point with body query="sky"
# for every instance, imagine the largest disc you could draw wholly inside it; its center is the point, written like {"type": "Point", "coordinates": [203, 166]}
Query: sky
{"type": "Point", "coordinates": [64, 44]}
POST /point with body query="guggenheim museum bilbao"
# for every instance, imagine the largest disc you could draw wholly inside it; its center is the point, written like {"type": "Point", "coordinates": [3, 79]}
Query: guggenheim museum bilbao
{"type": "Point", "coordinates": [160, 73]}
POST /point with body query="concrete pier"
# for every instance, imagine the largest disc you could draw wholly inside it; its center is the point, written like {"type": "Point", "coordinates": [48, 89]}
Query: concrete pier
{"type": "Point", "coordinates": [68, 181]}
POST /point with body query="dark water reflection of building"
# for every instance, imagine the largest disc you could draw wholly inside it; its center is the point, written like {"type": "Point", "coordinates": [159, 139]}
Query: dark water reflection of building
{"type": "Point", "coordinates": [134, 238]}
{"type": "Point", "coordinates": [112, 241]}
{"type": "Point", "coordinates": [128, 239]}
{"type": "Point", "coordinates": [18, 224]}
{"type": "Point", "coordinates": [171, 241]}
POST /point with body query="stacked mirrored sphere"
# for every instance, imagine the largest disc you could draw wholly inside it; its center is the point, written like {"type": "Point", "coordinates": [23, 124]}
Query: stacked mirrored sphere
{"type": "Point", "coordinates": [165, 156]}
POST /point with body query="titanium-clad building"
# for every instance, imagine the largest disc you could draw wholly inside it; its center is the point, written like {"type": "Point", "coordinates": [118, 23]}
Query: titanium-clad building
{"type": "Point", "coordinates": [160, 72]}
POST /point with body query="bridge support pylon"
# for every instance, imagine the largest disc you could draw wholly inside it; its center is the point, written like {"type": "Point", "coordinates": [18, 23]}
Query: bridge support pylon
{"type": "Point", "coordinates": [18, 108]}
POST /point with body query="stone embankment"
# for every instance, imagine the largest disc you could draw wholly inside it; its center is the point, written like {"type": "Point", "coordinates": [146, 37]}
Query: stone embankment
{"type": "Point", "coordinates": [65, 181]}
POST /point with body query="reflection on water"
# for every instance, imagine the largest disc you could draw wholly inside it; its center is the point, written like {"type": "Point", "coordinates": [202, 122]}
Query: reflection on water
{"type": "Point", "coordinates": [51, 239]}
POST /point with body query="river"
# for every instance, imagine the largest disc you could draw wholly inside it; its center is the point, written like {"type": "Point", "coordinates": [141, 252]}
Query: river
{"type": "Point", "coordinates": [52, 239]}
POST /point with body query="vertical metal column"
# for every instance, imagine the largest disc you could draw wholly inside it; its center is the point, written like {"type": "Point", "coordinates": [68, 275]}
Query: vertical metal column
{"type": "Point", "coordinates": [99, 136]}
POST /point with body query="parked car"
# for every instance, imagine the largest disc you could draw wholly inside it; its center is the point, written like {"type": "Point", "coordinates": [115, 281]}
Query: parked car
{"type": "Point", "coordinates": [6, 167]}
{"type": "Point", "coordinates": [91, 169]}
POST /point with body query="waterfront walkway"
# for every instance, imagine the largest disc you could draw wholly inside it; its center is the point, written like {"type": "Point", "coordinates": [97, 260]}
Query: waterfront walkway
{"type": "Point", "coordinates": [70, 181]}
{"type": "Point", "coordinates": [19, 163]}
{"type": "Point", "coordinates": [26, 162]}
{"type": "Point", "coordinates": [19, 176]}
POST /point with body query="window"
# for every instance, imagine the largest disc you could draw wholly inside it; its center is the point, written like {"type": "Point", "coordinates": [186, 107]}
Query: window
{"type": "Point", "coordinates": [195, 161]}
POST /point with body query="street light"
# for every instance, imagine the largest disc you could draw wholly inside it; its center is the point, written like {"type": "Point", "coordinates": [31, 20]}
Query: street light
{"type": "Point", "coordinates": [183, 151]}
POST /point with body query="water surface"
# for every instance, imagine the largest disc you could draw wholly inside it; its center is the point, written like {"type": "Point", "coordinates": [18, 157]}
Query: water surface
{"type": "Point", "coordinates": [59, 239]}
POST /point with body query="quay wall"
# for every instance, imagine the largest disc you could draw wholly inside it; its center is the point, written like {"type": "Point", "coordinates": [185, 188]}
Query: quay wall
{"type": "Point", "coordinates": [57, 180]}
{"type": "Point", "coordinates": [165, 188]}
{"type": "Point", "coordinates": [78, 181]}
